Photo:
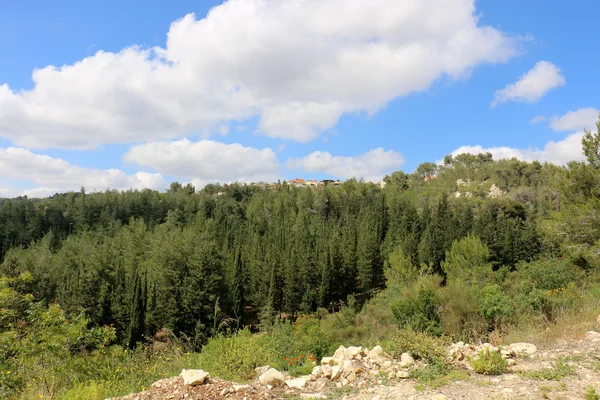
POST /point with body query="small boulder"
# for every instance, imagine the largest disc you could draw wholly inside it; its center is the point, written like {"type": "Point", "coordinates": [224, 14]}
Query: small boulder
{"type": "Point", "coordinates": [406, 360]}
{"type": "Point", "coordinates": [297, 383]}
{"type": "Point", "coordinates": [242, 388]}
{"type": "Point", "coordinates": [335, 372]}
{"type": "Point", "coordinates": [261, 370]}
{"type": "Point", "coordinates": [326, 371]}
{"type": "Point", "coordinates": [377, 351]}
{"type": "Point", "coordinates": [194, 377]}
{"type": "Point", "coordinates": [338, 356]}
{"type": "Point", "coordinates": [272, 377]}
{"type": "Point", "coordinates": [353, 351]}
{"type": "Point", "coordinates": [523, 348]}
{"type": "Point", "coordinates": [327, 361]}
{"type": "Point", "coordinates": [402, 375]}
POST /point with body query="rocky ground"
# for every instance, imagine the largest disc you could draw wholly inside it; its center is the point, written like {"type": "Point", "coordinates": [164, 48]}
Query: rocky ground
{"type": "Point", "coordinates": [566, 370]}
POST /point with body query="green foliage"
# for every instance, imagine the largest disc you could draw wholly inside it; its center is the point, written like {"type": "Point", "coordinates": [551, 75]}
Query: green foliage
{"type": "Point", "coordinates": [419, 313]}
{"type": "Point", "coordinates": [235, 357]}
{"type": "Point", "coordinates": [489, 363]}
{"type": "Point", "coordinates": [467, 259]}
{"type": "Point", "coordinates": [495, 306]}
{"type": "Point", "coordinates": [591, 394]}
{"type": "Point", "coordinates": [591, 146]}
{"type": "Point", "coordinates": [419, 345]}
{"type": "Point", "coordinates": [561, 369]}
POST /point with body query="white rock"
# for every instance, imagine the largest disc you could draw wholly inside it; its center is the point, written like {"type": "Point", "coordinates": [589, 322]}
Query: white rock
{"type": "Point", "coordinates": [353, 351]}
{"type": "Point", "coordinates": [261, 370]}
{"type": "Point", "coordinates": [194, 377]}
{"type": "Point", "coordinates": [272, 377]}
{"type": "Point", "coordinates": [326, 371]}
{"type": "Point", "coordinates": [523, 348]}
{"type": "Point", "coordinates": [406, 360]}
{"type": "Point", "coordinates": [317, 372]}
{"type": "Point", "coordinates": [242, 388]}
{"type": "Point", "coordinates": [376, 351]}
{"type": "Point", "coordinates": [438, 397]}
{"type": "Point", "coordinates": [327, 361]}
{"type": "Point", "coordinates": [351, 377]}
{"type": "Point", "coordinates": [297, 383]}
{"type": "Point", "coordinates": [402, 375]}
{"type": "Point", "coordinates": [335, 372]}
{"type": "Point", "coordinates": [347, 367]}
{"type": "Point", "coordinates": [338, 356]}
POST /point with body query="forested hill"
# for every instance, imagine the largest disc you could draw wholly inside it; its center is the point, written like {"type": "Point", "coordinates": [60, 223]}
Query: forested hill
{"type": "Point", "coordinates": [227, 256]}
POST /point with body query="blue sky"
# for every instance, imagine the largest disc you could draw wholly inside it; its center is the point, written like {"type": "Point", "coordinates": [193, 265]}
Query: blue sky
{"type": "Point", "coordinates": [137, 94]}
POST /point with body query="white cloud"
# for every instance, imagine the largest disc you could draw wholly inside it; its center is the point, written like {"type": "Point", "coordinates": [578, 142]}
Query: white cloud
{"type": "Point", "coordinates": [537, 119]}
{"type": "Point", "coordinates": [207, 161]}
{"type": "Point", "coordinates": [371, 166]}
{"type": "Point", "coordinates": [288, 63]}
{"type": "Point", "coordinates": [561, 152]}
{"type": "Point", "coordinates": [578, 120]}
{"type": "Point", "coordinates": [55, 175]}
{"type": "Point", "coordinates": [531, 86]}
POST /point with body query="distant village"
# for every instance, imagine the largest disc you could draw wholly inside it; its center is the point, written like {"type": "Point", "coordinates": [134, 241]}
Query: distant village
{"type": "Point", "coordinates": [300, 182]}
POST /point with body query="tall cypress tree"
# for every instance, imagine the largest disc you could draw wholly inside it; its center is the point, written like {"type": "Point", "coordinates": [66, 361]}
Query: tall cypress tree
{"type": "Point", "coordinates": [237, 291]}
{"type": "Point", "coordinates": [138, 313]}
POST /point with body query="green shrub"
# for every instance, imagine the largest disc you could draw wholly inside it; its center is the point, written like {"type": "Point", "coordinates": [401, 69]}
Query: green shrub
{"type": "Point", "coordinates": [419, 313]}
{"type": "Point", "coordinates": [489, 363]}
{"type": "Point", "coordinates": [549, 274]}
{"type": "Point", "coordinates": [495, 306]}
{"type": "Point", "coordinates": [419, 345]}
{"type": "Point", "coordinates": [460, 316]}
{"type": "Point", "coordinates": [235, 357]}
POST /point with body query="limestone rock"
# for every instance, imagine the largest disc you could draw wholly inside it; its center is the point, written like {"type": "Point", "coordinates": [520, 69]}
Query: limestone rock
{"type": "Point", "coordinates": [261, 370]}
{"type": "Point", "coordinates": [335, 372]}
{"type": "Point", "coordinates": [327, 361]}
{"type": "Point", "coordinates": [297, 383]}
{"type": "Point", "coordinates": [353, 352]}
{"type": "Point", "coordinates": [438, 397]}
{"type": "Point", "coordinates": [194, 377]}
{"type": "Point", "coordinates": [272, 377]}
{"type": "Point", "coordinates": [242, 388]}
{"type": "Point", "coordinates": [402, 375]}
{"type": "Point", "coordinates": [326, 371]}
{"type": "Point", "coordinates": [338, 356]}
{"type": "Point", "coordinates": [406, 360]}
{"type": "Point", "coordinates": [523, 348]}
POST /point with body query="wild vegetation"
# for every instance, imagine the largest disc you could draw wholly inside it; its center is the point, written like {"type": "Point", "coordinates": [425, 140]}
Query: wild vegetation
{"type": "Point", "coordinates": [105, 292]}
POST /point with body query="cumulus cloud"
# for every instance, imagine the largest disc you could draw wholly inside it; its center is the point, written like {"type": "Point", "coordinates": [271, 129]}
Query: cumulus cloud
{"type": "Point", "coordinates": [207, 161]}
{"type": "Point", "coordinates": [371, 166]}
{"type": "Point", "coordinates": [561, 152]}
{"type": "Point", "coordinates": [288, 63]}
{"type": "Point", "coordinates": [578, 120]}
{"type": "Point", "coordinates": [531, 86]}
{"type": "Point", "coordinates": [56, 175]}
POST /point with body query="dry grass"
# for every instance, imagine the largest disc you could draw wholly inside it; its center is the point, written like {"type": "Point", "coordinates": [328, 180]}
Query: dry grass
{"type": "Point", "coordinates": [568, 326]}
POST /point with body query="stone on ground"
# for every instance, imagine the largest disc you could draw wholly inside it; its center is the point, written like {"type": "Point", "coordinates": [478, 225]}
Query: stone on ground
{"type": "Point", "coordinates": [194, 377]}
{"type": "Point", "coordinates": [272, 377]}
{"type": "Point", "coordinates": [297, 383]}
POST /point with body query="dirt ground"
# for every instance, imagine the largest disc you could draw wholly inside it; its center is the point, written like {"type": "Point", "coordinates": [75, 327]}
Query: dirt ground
{"type": "Point", "coordinates": [524, 380]}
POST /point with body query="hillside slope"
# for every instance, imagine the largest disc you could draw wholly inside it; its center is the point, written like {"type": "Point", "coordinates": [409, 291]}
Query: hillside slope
{"type": "Point", "coordinates": [568, 369]}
